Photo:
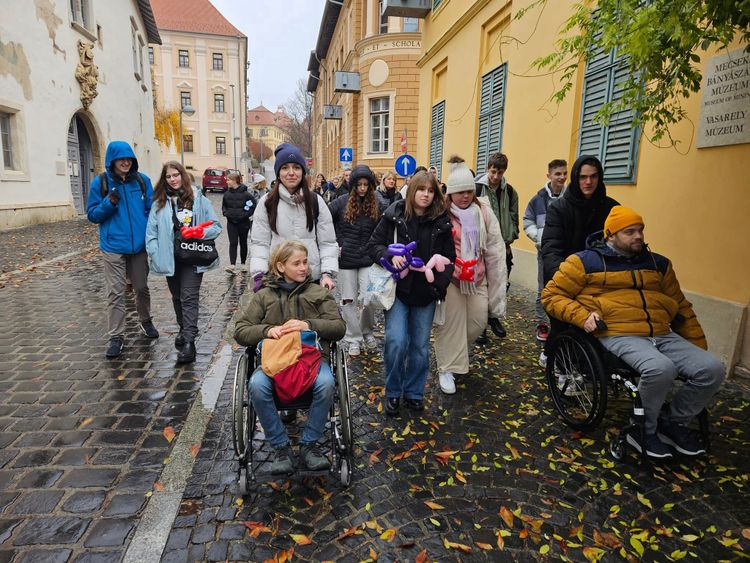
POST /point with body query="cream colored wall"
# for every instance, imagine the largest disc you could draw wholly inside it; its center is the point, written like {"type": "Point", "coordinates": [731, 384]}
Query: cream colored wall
{"type": "Point", "coordinates": [203, 82]}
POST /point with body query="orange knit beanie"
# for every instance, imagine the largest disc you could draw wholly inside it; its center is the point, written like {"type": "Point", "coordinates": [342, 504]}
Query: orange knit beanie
{"type": "Point", "coordinates": [619, 218]}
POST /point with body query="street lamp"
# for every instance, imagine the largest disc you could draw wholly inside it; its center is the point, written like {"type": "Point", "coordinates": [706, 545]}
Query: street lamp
{"type": "Point", "coordinates": [234, 139]}
{"type": "Point", "coordinates": [188, 110]}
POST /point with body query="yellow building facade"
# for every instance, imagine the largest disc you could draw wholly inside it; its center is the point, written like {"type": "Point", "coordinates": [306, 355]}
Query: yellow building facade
{"type": "Point", "coordinates": [266, 126]}
{"type": "Point", "coordinates": [383, 52]}
{"type": "Point", "coordinates": [478, 94]}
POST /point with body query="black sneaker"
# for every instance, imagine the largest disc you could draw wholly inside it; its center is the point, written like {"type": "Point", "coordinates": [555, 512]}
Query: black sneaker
{"type": "Point", "coordinates": [148, 328]}
{"type": "Point", "coordinates": [312, 458]}
{"type": "Point", "coordinates": [282, 463]}
{"type": "Point", "coordinates": [391, 406]}
{"type": "Point", "coordinates": [114, 346]}
{"type": "Point", "coordinates": [482, 339]}
{"type": "Point", "coordinates": [288, 416]}
{"type": "Point", "coordinates": [655, 448]}
{"type": "Point", "coordinates": [497, 327]}
{"type": "Point", "coordinates": [414, 404]}
{"type": "Point", "coordinates": [186, 354]}
{"type": "Point", "coordinates": [680, 438]}
{"type": "Point", "coordinates": [179, 340]}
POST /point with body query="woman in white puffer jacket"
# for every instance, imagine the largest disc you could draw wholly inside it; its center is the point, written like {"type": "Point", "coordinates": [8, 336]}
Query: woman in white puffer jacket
{"type": "Point", "coordinates": [292, 211]}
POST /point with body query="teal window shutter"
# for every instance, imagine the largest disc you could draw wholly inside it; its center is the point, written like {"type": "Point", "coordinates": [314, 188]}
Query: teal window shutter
{"type": "Point", "coordinates": [435, 4]}
{"type": "Point", "coordinates": [616, 144]}
{"type": "Point", "coordinates": [436, 137]}
{"type": "Point", "coordinates": [491, 112]}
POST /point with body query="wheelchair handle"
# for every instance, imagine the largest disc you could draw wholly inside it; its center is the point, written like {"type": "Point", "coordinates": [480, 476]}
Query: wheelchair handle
{"type": "Point", "coordinates": [601, 325]}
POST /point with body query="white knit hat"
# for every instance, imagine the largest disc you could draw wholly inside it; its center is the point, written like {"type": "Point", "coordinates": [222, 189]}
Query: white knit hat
{"type": "Point", "coordinates": [460, 179]}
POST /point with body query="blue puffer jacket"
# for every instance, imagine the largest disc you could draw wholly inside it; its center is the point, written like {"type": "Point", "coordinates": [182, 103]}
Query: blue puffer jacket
{"type": "Point", "coordinates": [160, 234]}
{"type": "Point", "coordinates": [122, 227]}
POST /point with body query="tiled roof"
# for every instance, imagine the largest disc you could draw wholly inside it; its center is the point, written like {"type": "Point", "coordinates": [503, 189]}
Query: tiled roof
{"type": "Point", "coordinates": [197, 16]}
{"type": "Point", "coordinates": [261, 115]}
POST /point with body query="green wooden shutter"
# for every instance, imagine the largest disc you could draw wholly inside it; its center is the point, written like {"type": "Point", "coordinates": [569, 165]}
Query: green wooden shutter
{"type": "Point", "coordinates": [435, 4]}
{"type": "Point", "coordinates": [491, 115]}
{"type": "Point", "coordinates": [616, 144]}
{"type": "Point", "coordinates": [436, 137]}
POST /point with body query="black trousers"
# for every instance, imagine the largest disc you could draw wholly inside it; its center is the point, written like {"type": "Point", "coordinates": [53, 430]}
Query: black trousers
{"type": "Point", "coordinates": [238, 233]}
{"type": "Point", "coordinates": [185, 287]}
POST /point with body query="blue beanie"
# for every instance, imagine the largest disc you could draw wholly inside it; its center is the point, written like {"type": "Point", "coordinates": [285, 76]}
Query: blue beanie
{"type": "Point", "coordinates": [285, 154]}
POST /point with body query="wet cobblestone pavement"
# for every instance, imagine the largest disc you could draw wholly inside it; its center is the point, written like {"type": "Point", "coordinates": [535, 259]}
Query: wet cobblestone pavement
{"type": "Point", "coordinates": [487, 474]}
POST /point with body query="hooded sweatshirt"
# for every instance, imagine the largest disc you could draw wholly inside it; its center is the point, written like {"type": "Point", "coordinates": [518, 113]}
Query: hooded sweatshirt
{"type": "Point", "coordinates": [122, 227]}
{"type": "Point", "coordinates": [572, 217]}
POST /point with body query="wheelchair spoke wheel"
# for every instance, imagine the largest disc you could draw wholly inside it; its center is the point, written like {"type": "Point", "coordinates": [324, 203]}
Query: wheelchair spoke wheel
{"type": "Point", "coordinates": [577, 381]}
{"type": "Point", "coordinates": [240, 401]}
{"type": "Point", "coordinates": [342, 381]}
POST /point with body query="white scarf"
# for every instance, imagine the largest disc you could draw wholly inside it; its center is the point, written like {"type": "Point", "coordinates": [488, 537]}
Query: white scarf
{"type": "Point", "coordinates": [473, 239]}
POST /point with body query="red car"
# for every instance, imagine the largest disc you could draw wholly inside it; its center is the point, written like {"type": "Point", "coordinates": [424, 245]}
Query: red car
{"type": "Point", "coordinates": [215, 179]}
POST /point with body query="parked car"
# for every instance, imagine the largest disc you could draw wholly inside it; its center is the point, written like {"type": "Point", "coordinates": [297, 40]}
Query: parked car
{"type": "Point", "coordinates": [215, 179]}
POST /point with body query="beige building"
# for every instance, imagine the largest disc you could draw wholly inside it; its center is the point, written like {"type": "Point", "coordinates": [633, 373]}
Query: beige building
{"type": "Point", "coordinates": [73, 76]}
{"type": "Point", "coordinates": [266, 126]}
{"type": "Point", "coordinates": [202, 62]}
{"type": "Point", "coordinates": [382, 52]}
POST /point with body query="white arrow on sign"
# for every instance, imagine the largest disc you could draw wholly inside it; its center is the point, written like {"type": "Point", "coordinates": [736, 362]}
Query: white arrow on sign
{"type": "Point", "coordinates": [346, 155]}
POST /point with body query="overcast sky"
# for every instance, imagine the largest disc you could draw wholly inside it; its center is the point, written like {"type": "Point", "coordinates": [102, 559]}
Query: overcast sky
{"type": "Point", "coordinates": [280, 36]}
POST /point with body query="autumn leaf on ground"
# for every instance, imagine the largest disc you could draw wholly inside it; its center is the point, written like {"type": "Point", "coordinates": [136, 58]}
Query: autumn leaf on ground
{"type": "Point", "coordinates": [500, 542]}
{"type": "Point", "coordinates": [606, 539]}
{"type": "Point", "coordinates": [460, 476]}
{"type": "Point", "coordinates": [350, 532]}
{"type": "Point", "coordinates": [86, 422]}
{"type": "Point", "coordinates": [453, 545]}
{"type": "Point", "coordinates": [300, 539]}
{"type": "Point", "coordinates": [421, 557]}
{"type": "Point", "coordinates": [388, 534]}
{"type": "Point", "coordinates": [485, 546]}
{"type": "Point", "coordinates": [374, 456]}
{"type": "Point", "coordinates": [158, 487]}
{"type": "Point", "coordinates": [593, 554]}
{"type": "Point", "coordinates": [282, 556]}
{"type": "Point", "coordinates": [644, 500]}
{"type": "Point", "coordinates": [373, 525]}
{"type": "Point", "coordinates": [507, 516]}
{"type": "Point", "coordinates": [444, 456]}
{"type": "Point", "coordinates": [746, 533]}
{"type": "Point", "coordinates": [169, 434]}
{"type": "Point", "coordinates": [373, 555]}
{"type": "Point", "coordinates": [194, 449]}
{"type": "Point", "coordinates": [434, 505]}
{"type": "Point", "coordinates": [256, 528]}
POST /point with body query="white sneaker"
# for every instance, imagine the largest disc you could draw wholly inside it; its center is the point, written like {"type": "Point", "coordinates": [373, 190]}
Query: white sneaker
{"type": "Point", "coordinates": [354, 349]}
{"type": "Point", "coordinates": [371, 341]}
{"type": "Point", "coordinates": [229, 269]}
{"type": "Point", "coordinates": [575, 385]}
{"type": "Point", "coordinates": [447, 383]}
{"type": "Point", "coordinates": [543, 360]}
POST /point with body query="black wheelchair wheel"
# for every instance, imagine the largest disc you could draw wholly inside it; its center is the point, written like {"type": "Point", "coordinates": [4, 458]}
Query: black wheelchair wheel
{"type": "Point", "coordinates": [240, 402]}
{"type": "Point", "coordinates": [342, 383]}
{"type": "Point", "coordinates": [577, 381]}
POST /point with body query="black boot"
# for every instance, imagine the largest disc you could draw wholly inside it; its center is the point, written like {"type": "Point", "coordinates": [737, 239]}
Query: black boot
{"type": "Point", "coordinates": [186, 354]}
{"type": "Point", "coordinates": [179, 340]}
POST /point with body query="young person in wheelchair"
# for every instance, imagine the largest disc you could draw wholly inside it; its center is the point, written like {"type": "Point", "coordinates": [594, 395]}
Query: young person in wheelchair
{"type": "Point", "coordinates": [649, 325]}
{"type": "Point", "coordinates": [291, 302]}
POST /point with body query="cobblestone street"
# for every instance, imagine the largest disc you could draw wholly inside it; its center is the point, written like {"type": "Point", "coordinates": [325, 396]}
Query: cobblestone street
{"type": "Point", "coordinates": [489, 473]}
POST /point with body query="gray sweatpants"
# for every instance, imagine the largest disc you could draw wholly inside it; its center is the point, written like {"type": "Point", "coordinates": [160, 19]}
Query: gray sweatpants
{"type": "Point", "coordinates": [117, 269]}
{"type": "Point", "coordinates": [659, 360]}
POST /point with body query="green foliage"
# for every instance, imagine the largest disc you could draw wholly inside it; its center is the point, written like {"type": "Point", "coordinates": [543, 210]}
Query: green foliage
{"type": "Point", "coordinates": [660, 40]}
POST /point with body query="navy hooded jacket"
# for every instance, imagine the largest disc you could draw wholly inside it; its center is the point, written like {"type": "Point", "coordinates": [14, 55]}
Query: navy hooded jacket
{"type": "Point", "coordinates": [122, 227]}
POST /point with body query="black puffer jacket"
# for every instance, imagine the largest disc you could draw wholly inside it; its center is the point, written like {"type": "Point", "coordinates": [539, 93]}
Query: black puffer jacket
{"type": "Point", "coordinates": [571, 218]}
{"type": "Point", "coordinates": [433, 236]}
{"type": "Point", "coordinates": [233, 204]}
{"type": "Point", "coordinates": [352, 237]}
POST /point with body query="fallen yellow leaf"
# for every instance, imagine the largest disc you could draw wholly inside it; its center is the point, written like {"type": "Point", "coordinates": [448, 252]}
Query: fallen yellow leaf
{"type": "Point", "coordinates": [300, 539]}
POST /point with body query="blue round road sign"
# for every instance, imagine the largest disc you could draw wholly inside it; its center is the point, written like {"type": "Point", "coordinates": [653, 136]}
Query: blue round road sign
{"type": "Point", "coordinates": [405, 165]}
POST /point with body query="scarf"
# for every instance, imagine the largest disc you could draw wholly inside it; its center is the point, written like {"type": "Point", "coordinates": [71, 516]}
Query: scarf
{"type": "Point", "coordinates": [501, 209]}
{"type": "Point", "coordinates": [473, 239]}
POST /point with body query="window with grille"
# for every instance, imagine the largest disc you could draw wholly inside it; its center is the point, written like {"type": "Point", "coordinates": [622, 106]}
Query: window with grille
{"type": "Point", "coordinates": [491, 115]}
{"type": "Point", "coordinates": [380, 124]}
{"type": "Point", "coordinates": [187, 143]}
{"type": "Point", "coordinates": [437, 124]}
{"type": "Point", "coordinates": [218, 61]}
{"type": "Point", "coordinates": [6, 140]}
{"type": "Point", "coordinates": [221, 145]}
{"type": "Point", "coordinates": [615, 144]}
{"type": "Point", "coordinates": [185, 99]}
{"type": "Point", "coordinates": [219, 103]}
{"type": "Point", "coordinates": [184, 58]}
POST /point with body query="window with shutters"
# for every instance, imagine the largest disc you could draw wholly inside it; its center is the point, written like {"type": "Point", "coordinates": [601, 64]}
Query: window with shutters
{"type": "Point", "coordinates": [435, 4]}
{"type": "Point", "coordinates": [491, 112]}
{"type": "Point", "coordinates": [436, 137]}
{"type": "Point", "coordinates": [615, 144]}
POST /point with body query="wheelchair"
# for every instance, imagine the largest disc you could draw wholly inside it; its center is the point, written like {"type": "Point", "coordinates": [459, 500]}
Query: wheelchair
{"type": "Point", "coordinates": [247, 437]}
{"type": "Point", "coordinates": [581, 374]}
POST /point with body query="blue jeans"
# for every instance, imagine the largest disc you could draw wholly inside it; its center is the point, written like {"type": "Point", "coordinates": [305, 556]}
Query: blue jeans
{"type": "Point", "coordinates": [407, 349]}
{"type": "Point", "coordinates": [261, 395]}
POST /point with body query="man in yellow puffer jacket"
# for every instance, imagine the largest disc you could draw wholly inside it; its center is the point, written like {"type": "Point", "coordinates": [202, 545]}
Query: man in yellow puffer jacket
{"type": "Point", "coordinates": [649, 325]}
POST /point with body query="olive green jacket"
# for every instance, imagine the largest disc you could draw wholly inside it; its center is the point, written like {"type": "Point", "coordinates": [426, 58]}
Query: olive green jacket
{"type": "Point", "coordinates": [273, 306]}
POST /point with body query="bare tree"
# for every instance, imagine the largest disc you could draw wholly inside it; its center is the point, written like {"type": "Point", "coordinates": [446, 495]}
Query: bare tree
{"type": "Point", "coordinates": [259, 151]}
{"type": "Point", "coordinates": [299, 124]}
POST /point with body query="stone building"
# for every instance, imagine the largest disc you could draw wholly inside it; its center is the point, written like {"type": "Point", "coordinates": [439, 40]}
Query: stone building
{"type": "Point", "coordinates": [73, 76]}
{"type": "Point", "coordinates": [202, 62]}
{"type": "Point", "coordinates": [373, 118]}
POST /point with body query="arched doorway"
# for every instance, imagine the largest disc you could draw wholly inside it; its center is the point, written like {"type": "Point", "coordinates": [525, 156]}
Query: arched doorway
{"type": "Point", "coordinates": [83, 150]}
